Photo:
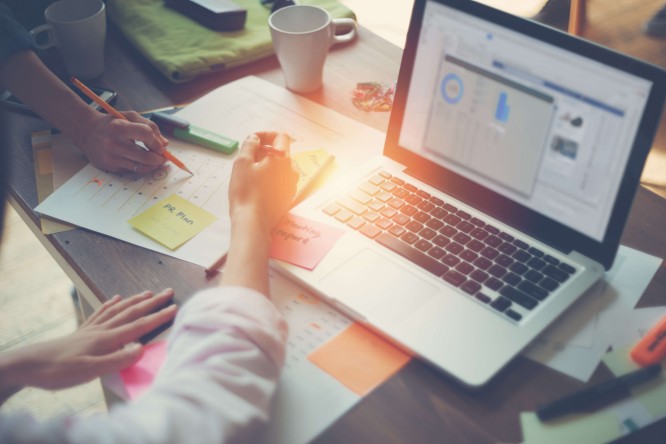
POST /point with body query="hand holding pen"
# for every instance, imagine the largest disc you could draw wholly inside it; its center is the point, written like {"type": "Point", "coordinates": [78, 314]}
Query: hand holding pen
{"type": "Point", "coordinates": [263, 179]}
{"type": "Point", "coordinates": [265, 176]}
{"type": "Point", "coordinates": [110, 140]}
{"type": "Point", "coordinates": [270, 150]}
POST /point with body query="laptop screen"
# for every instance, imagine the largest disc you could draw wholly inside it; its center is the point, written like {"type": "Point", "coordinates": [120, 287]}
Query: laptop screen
{"type": "Point", "coordinates": [544, 127]}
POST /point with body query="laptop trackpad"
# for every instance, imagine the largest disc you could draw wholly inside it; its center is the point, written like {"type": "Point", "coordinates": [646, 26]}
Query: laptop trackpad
{"type": "Point", "coordinates": [377, 288]}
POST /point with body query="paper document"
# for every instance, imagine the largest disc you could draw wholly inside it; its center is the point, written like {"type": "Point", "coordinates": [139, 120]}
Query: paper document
{"type": "Point", "coordinates": [646, 405]}
{"type": "Point", "coordinates": [104, 202]}
{"type": "Point", "coordinates": [651, 395]}
{"type": "Point", "coordinates": [48, 148]}
{"type": "Point", "coordinates": [308, 400]}
{"type": "Point", "coordinates": [576, 342]}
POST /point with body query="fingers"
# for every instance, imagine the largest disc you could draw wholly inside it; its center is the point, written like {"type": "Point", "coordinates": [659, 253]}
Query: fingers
{"type": "Point", "coordinates": [137, 167]}
{"type": "Point", "coordinates": [138, 307]}
{"type": "Point", "coordinates": [127, 156]}
{"type": "Point", "coordinates": [280, 142]}
{"type": "Point", "coordinates": [115, 360]}
{"type": "Point", "coordinates": [131, 308]}
{"type": "Point", "coordinates": [250, 148]}
{"type": "Point", "coordinates": [132, 331]}
{"type": "Point", "coordinates": [135, 117]}
{"type": "Point", "coordinates": [140, 132]}
{"type": "Point", "coordinates": [102, 310]}
{"type": "Point", "coordinates": [111, 144]}
{"type": "Point", "coordinates": [276, 141]}
{"type": "Point", "coordinates": [267, 137]}
{"type": "Point", "coordinates": [121, 151]}
{"type": "Point", "coordinates": [254, 142]}
{"type": "Point", "coordinates": [135, 159]}
{"type": "Point", "coordinates": [107, 312]}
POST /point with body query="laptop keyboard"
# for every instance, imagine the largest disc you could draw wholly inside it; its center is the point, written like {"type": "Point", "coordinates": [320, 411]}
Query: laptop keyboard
{"type": "Point", "coordinates": [508, 274]}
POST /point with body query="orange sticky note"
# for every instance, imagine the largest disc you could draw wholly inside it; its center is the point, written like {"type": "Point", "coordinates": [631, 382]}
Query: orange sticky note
{"type": "Point", "coordinates": [139, 377]}
{"type": "Point", "coordinates": [302, 241]}
{"type": "Point", "coordinates": [359, 359]}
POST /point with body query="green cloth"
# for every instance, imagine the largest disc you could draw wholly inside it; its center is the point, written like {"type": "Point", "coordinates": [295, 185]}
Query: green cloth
{"type": "Point", "coordinates": [182, 49]}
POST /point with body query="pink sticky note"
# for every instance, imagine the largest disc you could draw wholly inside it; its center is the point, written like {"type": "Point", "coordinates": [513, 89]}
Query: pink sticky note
{"type": "Point", "coordinates": [139, 377]}
{"type": "Point", "coordinates": [302, 241]}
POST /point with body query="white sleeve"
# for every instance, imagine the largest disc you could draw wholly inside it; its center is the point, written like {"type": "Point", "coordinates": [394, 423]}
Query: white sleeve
{"type": "Point", "coordinates": [224, 357]}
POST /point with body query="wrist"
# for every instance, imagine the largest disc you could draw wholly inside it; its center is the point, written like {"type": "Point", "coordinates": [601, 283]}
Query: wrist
{"type": "Point", "coordinates": [250, 221]}
{"type": "Point", "coordinates": [79, 122]}
{"type": "Point", "coordinates": [247, 262]}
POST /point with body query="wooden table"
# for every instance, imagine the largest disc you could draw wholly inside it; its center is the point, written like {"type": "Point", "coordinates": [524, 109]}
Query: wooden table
{"type": "Point", "coordinates": [417, 405]}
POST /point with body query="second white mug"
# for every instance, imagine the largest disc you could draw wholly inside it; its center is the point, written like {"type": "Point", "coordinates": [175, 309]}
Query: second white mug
{"type": "Point", "coordinates": [302, 36]}
{"type": "Point", "coordinates": [77, 28]}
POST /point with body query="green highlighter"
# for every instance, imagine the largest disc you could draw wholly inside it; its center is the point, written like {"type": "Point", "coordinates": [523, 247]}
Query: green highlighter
{"type": "Point", "coordinates": [181, 129]}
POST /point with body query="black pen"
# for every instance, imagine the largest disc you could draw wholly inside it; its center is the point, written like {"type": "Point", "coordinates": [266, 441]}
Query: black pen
{"type": "Point", "coordinates": [591, 397]}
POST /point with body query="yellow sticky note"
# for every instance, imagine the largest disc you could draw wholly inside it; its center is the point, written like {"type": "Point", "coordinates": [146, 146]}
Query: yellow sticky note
{"type": "Point", "coordinates": [310, 165]}
{"type": "Point", "coordinates": [172, 221]}
{"type": "Point", "coordinates": [359, 359]}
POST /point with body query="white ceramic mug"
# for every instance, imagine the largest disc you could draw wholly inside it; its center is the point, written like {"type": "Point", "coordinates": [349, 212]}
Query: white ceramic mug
{"type": "Point", "coordinates": [302, 36]}
{"type": "Point", "coordinates": [77, 28]}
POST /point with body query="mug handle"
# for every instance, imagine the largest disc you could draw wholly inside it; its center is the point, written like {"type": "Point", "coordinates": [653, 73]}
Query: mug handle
{"type": "Point", "coordinates": [50, 37]}
{"type": "Point", "coordinates": [347, 37]}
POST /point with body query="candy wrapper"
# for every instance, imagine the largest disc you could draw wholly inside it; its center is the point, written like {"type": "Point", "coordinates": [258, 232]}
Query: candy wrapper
{"type": "Point", "coordinates": [373, 96]}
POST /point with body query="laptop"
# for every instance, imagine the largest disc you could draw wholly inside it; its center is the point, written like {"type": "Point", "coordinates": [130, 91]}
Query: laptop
{"type": "Point", "coordinates": [511, 160]}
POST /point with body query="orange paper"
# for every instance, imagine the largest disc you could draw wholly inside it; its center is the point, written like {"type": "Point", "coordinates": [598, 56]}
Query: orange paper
{"type": "Point", "coordinates": [359, 359]}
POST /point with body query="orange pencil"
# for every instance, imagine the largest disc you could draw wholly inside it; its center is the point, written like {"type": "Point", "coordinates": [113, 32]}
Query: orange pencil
{"type": "Point", "coordinates": [114, 112]}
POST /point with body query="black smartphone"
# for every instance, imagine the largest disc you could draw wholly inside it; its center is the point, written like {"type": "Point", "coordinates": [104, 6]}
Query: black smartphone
{"type": "Point", "coordinates": [219, 15]}
{"type": "Point", "coordinates": [10, 101]}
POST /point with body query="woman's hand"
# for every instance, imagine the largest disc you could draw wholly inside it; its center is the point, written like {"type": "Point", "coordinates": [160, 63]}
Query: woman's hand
{"type": "Point", "coordinates": [261, 191]}
{"type": "Point", "coordinates": [263, 184]}
{"type": "Point", "coordinates": [103, 344]}
{"type": "Point", "coordinates": [107, 142]}
{"type": "Point", "coordinates": [110, 143]}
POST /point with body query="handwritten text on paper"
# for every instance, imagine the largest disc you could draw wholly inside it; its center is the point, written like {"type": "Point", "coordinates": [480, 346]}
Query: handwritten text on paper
{"type": "Point", "coordinates": [303, 242]}
{"type": "Point", "coordinates": [172, 221]}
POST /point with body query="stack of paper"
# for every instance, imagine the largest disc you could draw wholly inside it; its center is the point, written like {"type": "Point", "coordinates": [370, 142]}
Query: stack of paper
{"type": "Point", "coordinates": [575, 344]}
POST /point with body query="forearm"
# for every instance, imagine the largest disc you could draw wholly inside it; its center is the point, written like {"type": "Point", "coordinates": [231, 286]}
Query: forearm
{"type": "Point", "coordinates": [34, 84]}
{"type": "Point", "coordinates": [247, 263]}
{"type": "Point", "coordinates": [225, 353]}
{"type": "Point", "coordinates": [9, 366]}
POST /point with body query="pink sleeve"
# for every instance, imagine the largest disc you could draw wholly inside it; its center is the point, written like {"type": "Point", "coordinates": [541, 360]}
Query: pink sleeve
{"type": "Point", "coordinates": [225, 354]}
